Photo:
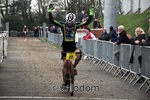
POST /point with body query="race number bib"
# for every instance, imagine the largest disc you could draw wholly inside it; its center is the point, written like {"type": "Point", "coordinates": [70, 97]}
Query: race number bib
{"type": "Point", "coordinates": [71, 56]}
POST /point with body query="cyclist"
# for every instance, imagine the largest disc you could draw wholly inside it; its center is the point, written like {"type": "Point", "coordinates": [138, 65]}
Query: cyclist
{"type": "Point", "coordinates": [69, 30]}
{"type": "Point", "coordinates": [25, 30]}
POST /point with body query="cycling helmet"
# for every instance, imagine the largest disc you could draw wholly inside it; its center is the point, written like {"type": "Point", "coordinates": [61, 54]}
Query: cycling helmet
{"type": "Point", "coordinates": [70, 17]}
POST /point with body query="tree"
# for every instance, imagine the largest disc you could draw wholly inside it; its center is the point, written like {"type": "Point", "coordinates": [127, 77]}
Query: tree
{"type": "Point", "coordinates": [98, 9]}
{"type": "Point", "coordinates": [42, 7]}
{"type": "Point", "coordinates": [6, 5]}
{"type": "Point", "coordinates": [22, 8]}
{"type": "Point", "coordinates": [76, 6]}
{"type": "Point", "coordinates": [15, 22]}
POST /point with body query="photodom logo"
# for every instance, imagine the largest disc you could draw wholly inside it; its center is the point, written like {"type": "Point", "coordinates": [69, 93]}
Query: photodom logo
{"type": "Point", "coordinates": [81, 88]}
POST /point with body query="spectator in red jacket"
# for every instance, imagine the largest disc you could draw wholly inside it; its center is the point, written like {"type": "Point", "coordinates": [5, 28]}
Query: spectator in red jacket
{"type": "Point", "coordinates": [89, 35]}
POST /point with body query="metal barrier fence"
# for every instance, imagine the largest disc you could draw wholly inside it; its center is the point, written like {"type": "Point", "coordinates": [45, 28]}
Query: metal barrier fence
{"type": "Point", "coordinates": [1, 48]}
{"type": "Point", "coordinates": [101, 53]}
{"type": "Point", "coordinates": [3, 45]}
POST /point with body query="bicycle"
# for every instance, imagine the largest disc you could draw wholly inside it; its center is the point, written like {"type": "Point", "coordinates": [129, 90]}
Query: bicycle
{"type": "Point", "coordinates": [69, 78]}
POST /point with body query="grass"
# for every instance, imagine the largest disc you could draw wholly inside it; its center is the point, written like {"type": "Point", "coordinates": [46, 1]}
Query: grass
{"type": "Point", "coordinates": [131, 22]}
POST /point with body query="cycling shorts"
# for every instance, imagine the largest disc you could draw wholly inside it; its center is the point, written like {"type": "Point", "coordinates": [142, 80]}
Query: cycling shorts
{"type": "Point", "coordinates": [68, 47]}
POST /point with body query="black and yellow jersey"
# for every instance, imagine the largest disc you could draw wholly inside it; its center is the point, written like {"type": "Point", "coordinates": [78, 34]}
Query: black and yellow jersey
{"type": "Point", "coordinates": [68, 29]}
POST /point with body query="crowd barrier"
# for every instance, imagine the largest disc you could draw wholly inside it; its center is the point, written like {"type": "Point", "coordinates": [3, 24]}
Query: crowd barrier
{"type": "Point", "coordinates": [101, 54]}
{"type": "Point", "coordinates": [3, 45]}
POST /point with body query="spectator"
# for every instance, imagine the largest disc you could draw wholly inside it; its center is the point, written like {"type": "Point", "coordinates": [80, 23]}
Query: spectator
{"type": "Point", "coordinates": [38, 28]}
{"type": "Point", "coordinates": [105, 36]}
{"type": "Point", "coordinates": [140, 35]}
{"type": "Point", "coordinates": [113, 35]}
{"type": "Point", "coordinates": [122, 39]}
{"type": "Point", "coordinates": [89, 35]}
{"type": "Point", "coordinates": [81, 16]}
{"type": "Point", "coordinates": [36, 31]}
{"type": "Point", "coordinates": [144, 43]}
{"type": "Point", "coordinates": [147, 41]}
{"type": "Point", "coordinates": [53, 29]}
{"type": "Point", "coordinates": [96, 24]}
{"type": "Point", "coordinates": [140, 39]}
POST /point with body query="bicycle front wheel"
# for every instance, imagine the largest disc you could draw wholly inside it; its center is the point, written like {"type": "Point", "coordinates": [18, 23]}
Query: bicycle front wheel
{"type": "Point", "coordinates": [71, 80]}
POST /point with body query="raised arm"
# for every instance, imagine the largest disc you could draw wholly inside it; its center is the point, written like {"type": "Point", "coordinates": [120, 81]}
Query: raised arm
{"type": "Point", "coordinates": [89, 19]}
{"type": "Point", "coordinates": [51, 18]}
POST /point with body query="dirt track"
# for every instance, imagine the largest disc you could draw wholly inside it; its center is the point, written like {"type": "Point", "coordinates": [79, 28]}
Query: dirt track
{"type": "Point", "coordinates": [33, 69]}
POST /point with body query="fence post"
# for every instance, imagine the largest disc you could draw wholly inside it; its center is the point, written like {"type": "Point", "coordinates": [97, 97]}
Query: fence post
{"type": "Point", "coordinates": [110, 14]}
{"type": "Point", "coordinates": [44, 31]}
{"type": "Point", "coordinates": [7, 28]}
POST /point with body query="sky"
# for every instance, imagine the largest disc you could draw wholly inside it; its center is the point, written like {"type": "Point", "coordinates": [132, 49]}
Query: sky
{"type": "Point", "coordinates": [33, 3]}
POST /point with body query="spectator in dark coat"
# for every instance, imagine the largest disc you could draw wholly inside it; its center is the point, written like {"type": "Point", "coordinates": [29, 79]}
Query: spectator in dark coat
{"type": "Point", "coordinates": [105, 36]}
{"type": "Point", "coordinates": [122, 36]}
{"type": "Point", "coordinates": [81, 15]}
{"type": "Point", "coordinates": [140, 35]}
{"type": "Point", "coordinates": [144, 42]}
{"type": "Point", "coordinates": [35, 29]}
{"type": "Point", "coordinates": [122, 39]}
{"type": "Point", "coordinates": [113, 35]}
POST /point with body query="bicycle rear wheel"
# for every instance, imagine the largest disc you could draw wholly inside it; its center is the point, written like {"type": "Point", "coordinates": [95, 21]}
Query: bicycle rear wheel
{"type": "Point", "coordinates": [71, 80]}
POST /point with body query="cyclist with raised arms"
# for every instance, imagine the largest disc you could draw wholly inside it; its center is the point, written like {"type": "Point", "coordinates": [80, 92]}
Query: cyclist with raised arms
{"type": "Point", "coordinates": [69, 30]}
